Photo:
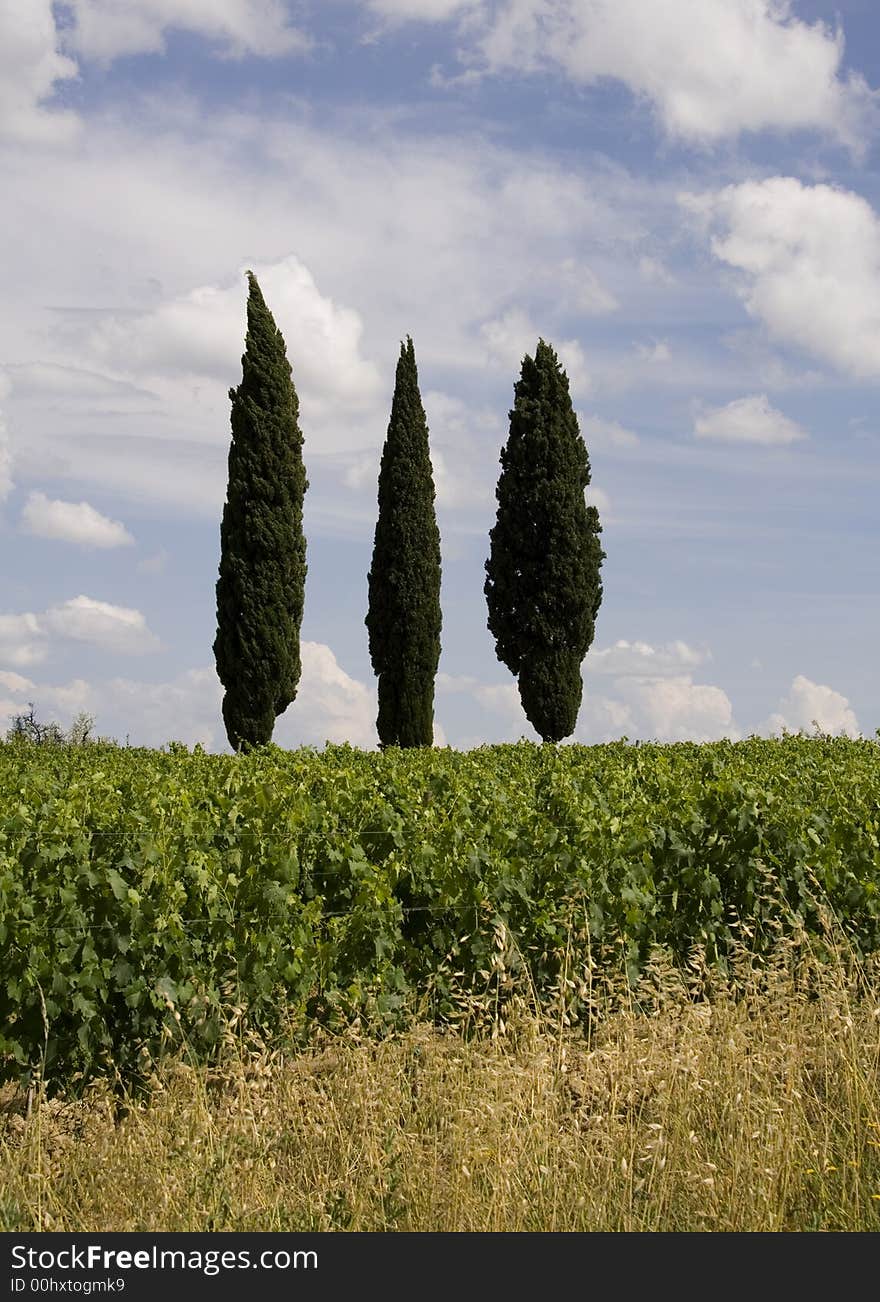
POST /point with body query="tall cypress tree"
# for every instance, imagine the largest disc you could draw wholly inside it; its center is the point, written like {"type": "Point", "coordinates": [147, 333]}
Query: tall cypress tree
{"type": "Point", "coordinates": [404, 618]}
{"type": "Point", "coordinates": [542, 586]}
{"type": "Point", "coordinates": [261, 588]}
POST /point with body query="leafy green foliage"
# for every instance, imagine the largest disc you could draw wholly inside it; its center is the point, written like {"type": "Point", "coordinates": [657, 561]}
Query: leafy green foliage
{"type": "Point", "coordinates": [404, 619]}
{"type": "Point", "coordinates": [542, 576]}
{"type": "Point", "coordinates": [261, 588]}
{"type": "Point", "coordinates": [148, 897]}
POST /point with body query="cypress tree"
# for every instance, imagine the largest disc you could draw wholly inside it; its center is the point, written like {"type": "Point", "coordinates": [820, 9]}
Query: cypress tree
{"type": "Point", "coordinates": [261, 588]}
{"type": "Point", "coordinates": [542, 586]}
{"type": "Point", "coordinates": [403, 617]}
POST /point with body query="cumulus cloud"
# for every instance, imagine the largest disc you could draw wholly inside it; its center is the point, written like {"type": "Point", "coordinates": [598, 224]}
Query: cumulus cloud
{"type": "Point", "coordinates": [748, 420]}
{"type": "Point", "coordinates": [501, 697]}
{"type": "Point", "coordinates": [30, 68]}
{"type": "Point", "coordinates": [106, 29]}
{"type": "Point", "coordinates": [114, 628]}
{"type": "Point", "coordinates": [330, 705]}
{"type": "Point", "coordinates": [609, 432]}
{"type": "Point", "coordinates": [75, 522]}
{"type": "Point", "coordinates": [678, 709]}
{"type": "Point", "coordinates": [809, 703]}
{"type": "Point", "coordinates": [200, 335]}
{"type": "Point", "coordinates": [187, 709]}
{"type": "Point", "coordinates": [452, 425]}
{"type": "Point", "coordinates": [131, 390]}
{"type": "Point", "coordinates": [58, 704]}
{"type": "Point", "coordinates": [452, 489]}
{"type": "Point", "coordinates": [503, 719]}
{"type": "Point", "coordinates": [710, 68]}
{"type": "Point", "coordinates": [24, 638]}
{"type": "Point", "coordinates": [595, 497]}
{"type": "Point", "coordinates": [14, 682]}
{"type": "Point", "coordinates": [650, 696]}
{"type": "Point", "coordinates": [641, 660]}
{"type": "Point", "coordinates": [809, 258]}
{"type": "Point", "coordinates": [511, 336]}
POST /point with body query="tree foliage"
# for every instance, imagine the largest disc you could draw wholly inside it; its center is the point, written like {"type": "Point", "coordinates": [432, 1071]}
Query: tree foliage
{"type": "Point", "coordinates": [261, 588]}
{"type": "Point", "coordinates": [404, 618]}
{"type": "Point", "coordinates": [542, 587]}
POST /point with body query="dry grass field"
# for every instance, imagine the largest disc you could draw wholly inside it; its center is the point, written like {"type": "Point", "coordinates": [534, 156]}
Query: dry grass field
{"type": "Point", "coordinates": [692, 1104]}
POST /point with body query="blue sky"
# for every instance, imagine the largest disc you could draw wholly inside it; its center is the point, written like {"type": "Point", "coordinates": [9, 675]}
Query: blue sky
{"type": "Point", "coordinates": [682, 198]}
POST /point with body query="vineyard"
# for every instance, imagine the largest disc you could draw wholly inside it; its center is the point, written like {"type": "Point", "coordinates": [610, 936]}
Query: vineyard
{"type": "Point", "coordinates": [149, 899]}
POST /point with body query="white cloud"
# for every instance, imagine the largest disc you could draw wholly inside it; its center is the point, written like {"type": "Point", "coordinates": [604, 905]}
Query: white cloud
{"type": "Point", "coordinates": [651, 696]}
{"type": "Point", "coordinates": [809, 256]}
{"type": "Point", "coordinates": [641, 660]}
{"type": "Point", "coordinates": [22, 640]}
{"type": "Point", "coordinates": [710, 68]}
{"type": "Point", "coordinates": [510, 337]}
{"type": "Point", "coordinates": [453, 420]}
{"type": "Point", "coordinates": [47, 700]}
{"type": "Point", "coordinates": [748, 420]}
{"type": "Point", "coordinates": [114, 628]}
{"type": "Point", "coordinates": [75, 522]}
{"type": "Point", "coordinates": [199, 336]}
{"type": "Point", "coordinates": [429, 11]}
{"type": "Point", "coordinates": [107, 29]}
{"type": "Point", "coordinates": [449, 487]}
{"type": "Point", "coordinates": [30, 67]}
{"type": "Point", "coordinates": [52, 385]}
{"type": "Point", "coordinates": [582, 289]}
{"type": "Point", "coordinates": [609, 432]}
{"type": "Point", "coordinates": [6, 484]}
{"type": "Point", "coordinates": [187, 709]}
{"type": "Point", "coordinates": [595, 497]}
{"type": "Point", "coordinates": [14, 682]}
{"type": "Point", "coordinates": [678, 709]}
{"type": "Point", "coordinates": [654, 698]}
{"type": "Point", "coordinates": [155, 564]}
{"type": "Point", "coordinates": [655, 272]}
{"type": "Point", "coordinates": [658, 351]}
{"type": "Point", "coordinates": [361, 472]}
{"type": "Point", "coordinates": [501, 701]}
{"type": "Point", "coordinates": [452, 425]}
{"type": "Point", "coordinates": [808, 703]}
{"type": "Point", "coordinates": [122, 381]}
{"type": "Point", "coordinates": [330, 705]}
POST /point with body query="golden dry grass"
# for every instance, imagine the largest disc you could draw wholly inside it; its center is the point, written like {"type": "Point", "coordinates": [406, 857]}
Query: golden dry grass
{"type": "Point", "coordinates": [755, 1109]}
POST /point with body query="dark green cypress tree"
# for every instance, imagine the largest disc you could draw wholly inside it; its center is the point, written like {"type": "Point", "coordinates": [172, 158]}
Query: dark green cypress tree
{"type": "Point", "coordinates": [404, 618]}
{"type": "Point", "coordinates": [261, 588]}
{"type": "Point", "coordinates": [542, 586]}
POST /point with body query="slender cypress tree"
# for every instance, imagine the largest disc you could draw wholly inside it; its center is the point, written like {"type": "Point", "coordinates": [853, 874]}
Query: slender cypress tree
{"type": "Point", "coordinates": [403, 618]}
{"type": "Point", "coordinates": [542, 586]}
{"type": "Point", "coordinates": [261, 587]}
